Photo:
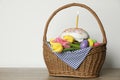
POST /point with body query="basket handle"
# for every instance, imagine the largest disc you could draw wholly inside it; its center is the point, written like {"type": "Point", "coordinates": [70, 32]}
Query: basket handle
{"type": "Point", "coordinates": [79, 5]}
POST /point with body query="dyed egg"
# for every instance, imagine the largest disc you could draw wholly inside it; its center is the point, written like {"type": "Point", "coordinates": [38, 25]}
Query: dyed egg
{"type": "Point", "coordinates": [90, 42]}
{"type": "Point", "coordinates": [96, 44]}
{"type": "Point", "coordinates": [94, 40]}
{"type": "Point", "coordinates": [84, 44]}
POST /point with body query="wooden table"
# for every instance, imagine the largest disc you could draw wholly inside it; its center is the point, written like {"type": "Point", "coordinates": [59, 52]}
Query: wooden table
{"type": "Point", "coordinates": [42, 74]}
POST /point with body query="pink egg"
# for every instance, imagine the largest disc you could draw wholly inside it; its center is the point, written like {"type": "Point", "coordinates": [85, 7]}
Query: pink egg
{"type": "Point", "coordinates": [96, 44]}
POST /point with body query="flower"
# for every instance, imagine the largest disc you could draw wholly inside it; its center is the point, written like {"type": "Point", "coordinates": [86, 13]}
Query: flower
{"type": "Point", "coordinates": [57, 47]}
{"type": "Point", "coordinates": [68, 38]}
{"type": "Point", "coordinates": [64, 43]}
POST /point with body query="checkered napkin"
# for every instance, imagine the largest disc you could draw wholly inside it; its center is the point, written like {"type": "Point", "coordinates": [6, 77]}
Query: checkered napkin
{"type": "Point", "coordinates": [73, 58]}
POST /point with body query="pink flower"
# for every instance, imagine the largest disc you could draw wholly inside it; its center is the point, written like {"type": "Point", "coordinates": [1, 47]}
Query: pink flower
{"type": "Point", "coordinates": [64, 43]}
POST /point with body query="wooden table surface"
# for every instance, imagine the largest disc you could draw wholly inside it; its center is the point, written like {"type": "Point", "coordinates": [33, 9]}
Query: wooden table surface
{"type": "Point", "coordinates": [42, 74]}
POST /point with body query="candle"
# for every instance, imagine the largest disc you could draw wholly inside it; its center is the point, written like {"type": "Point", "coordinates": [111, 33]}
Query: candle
{"type": "Point", "coordinates": [77, 19]}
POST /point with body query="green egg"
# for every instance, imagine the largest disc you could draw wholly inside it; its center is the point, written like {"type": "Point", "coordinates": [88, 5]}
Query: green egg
{"type": "Point", "coordinates": [94, 40]}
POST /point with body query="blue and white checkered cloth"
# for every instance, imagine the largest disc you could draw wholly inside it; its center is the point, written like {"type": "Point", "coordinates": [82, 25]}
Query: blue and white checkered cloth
{"type": "Point", "coordinates": [73, 58]}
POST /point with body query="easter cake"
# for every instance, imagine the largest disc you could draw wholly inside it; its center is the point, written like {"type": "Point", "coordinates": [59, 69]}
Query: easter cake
{"type": "Point", "coordinates": [78, 33]}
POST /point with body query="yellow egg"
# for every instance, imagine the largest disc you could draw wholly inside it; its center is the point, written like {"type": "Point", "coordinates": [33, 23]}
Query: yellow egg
{"type": "Point", "coordinates": [57, 47]}
{"type": "Point", "coordinates": [68, 38]}
{"type": "Point", "coordinates": [90, 42]}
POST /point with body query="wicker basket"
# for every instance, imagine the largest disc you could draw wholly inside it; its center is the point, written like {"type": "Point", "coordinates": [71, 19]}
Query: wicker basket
{"type": "Point", "coordinates": [92, 64]}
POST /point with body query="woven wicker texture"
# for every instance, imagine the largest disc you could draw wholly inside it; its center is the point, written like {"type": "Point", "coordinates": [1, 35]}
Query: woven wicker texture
{"type": "Point", "coordinates": [92, 64]}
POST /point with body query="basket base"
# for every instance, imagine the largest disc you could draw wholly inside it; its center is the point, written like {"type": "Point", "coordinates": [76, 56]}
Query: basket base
{"type": "Point", "coordinates": [77, 76]}
{"type": "Point", "coordinates": [59, 75]}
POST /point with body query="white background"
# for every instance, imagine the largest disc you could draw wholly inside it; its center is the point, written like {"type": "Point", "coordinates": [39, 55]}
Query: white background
{"type": "Point", "coordinates": [22, 25]}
